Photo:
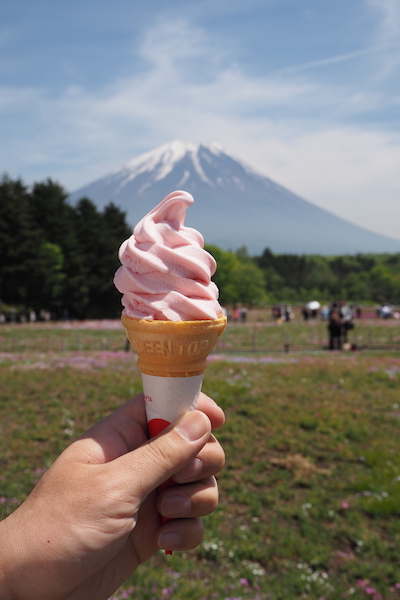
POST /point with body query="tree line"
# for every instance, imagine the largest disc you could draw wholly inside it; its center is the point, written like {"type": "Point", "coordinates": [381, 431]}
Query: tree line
{"type": "Point", "coordinates": [55, 256]}
{"type": "Point", "coordinates": [62, 258]}
{"type": "Point", "coordinates": [291, 278]}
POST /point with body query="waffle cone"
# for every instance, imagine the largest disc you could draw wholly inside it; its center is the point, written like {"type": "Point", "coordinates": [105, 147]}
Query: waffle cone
{"type": "Point", "coordinates": [173, 348]}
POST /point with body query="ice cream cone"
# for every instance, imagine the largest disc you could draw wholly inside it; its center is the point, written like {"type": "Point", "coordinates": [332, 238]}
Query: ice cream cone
{"type": "Point", "coordinates": [172, 358]}
{"type": "Point", "coordinates": [173, 348]}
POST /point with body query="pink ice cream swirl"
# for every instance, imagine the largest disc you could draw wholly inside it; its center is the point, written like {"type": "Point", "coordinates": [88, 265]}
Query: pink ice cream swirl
{"type": "Point", "coordinates": [166, 273]}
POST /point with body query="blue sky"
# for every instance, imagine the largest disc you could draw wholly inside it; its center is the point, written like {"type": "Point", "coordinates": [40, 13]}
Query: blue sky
{"type": "Point", "coordinates": [306, 91]}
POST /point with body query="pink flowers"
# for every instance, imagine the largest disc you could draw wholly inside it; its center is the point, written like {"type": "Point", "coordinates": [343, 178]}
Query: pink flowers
{"type": "Point", "coordinates": [370, 591]}
{"type": "Point", "coordinates": [4, 500]}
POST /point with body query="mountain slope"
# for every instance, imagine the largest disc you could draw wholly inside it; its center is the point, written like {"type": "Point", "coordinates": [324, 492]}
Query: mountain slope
{"type": "Point", "coordinates": [234, 205]}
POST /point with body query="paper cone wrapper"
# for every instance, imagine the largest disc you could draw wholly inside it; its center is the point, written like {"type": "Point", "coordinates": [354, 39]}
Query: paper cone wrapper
{"type": "Point", "coordinates": [167, 398]}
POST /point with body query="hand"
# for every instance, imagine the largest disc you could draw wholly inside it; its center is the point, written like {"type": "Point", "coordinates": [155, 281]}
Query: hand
{"type": "Point", "coordinates": [95, 514]}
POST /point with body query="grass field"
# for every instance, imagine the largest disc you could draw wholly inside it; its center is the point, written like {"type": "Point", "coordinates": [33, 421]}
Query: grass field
{"type": "Point", "coordinates": [259, 334]}
{"type": "Point", "coordinates": [310, 496]}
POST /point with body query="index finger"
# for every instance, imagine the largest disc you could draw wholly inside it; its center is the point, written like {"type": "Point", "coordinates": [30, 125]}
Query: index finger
{"type": "Point", "coordinates": [212, 410]}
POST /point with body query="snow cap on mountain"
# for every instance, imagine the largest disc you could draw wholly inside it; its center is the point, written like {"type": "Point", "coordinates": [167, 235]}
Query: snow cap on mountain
{"type": "Point", "coordinates": [234, 204]}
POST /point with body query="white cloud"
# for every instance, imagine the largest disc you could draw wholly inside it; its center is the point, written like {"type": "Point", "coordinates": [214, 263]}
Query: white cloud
{"type": "Point", "coordinates": [292, 128]}
{"type": "Point", "coordinates": [387, 33]}
{"type": "Point", "coordinates": [389, 26]}
{"type": "Point", "coordinates": [351, 172]}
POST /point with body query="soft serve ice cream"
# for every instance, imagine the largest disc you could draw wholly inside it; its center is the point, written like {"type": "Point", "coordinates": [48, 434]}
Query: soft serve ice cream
{"type": "Point", "coordinates": [166, 273]}
{"type": "Point", "coordinates": [171, 312]}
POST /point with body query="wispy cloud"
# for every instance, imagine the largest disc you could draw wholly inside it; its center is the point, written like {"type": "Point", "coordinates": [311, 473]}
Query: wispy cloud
{"type": "Point", "coordinates": [331, 60]}
{"type": "Point", "coordinates": [387, 33]}
{"type": "Point", "coordinates": [389, 24]}
{"type": "Point", "coordinates": [289, 124]}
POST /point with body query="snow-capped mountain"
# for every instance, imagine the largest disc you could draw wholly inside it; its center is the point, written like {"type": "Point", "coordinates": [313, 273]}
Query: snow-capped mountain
{"type": "Point", "coordinates": [234, 205]}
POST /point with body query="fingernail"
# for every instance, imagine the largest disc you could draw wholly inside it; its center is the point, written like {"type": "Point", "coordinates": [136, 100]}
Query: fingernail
{"type": "Point", "coordinates": [175, 505]}
{"type": "Point", "coordinates": [169, 540]}
{"type": "Point", "coordinates": [193, 426]}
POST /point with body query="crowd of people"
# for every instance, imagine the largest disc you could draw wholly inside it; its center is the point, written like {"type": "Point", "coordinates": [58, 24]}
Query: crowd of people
{"type": "Point", "coordinates": [12, 315]}
{"type": "Point", "coordinates": [339, 316]}
{"type": "Point", "coordinates": [238, 315]}
{"type": "Point", "coordinates": [282, 312]}
{"type": "Point", "coordinates": [386, 311]}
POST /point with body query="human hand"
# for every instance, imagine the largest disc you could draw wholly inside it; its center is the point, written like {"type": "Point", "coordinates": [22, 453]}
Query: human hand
{"type": "Point", "coordinates": [95, 514]}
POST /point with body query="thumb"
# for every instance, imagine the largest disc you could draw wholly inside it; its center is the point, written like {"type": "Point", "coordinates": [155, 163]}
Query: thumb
{"type": "Point", "coordinates": [167, 453]}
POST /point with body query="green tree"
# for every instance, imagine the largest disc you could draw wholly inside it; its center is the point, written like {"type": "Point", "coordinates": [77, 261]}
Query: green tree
{"type": "Point", "coordinates": [56, 219]}
{"type": "Point", "coordinates": [384, 285]}
{"type": "Point", "coordinates": [115, 231]}
{"type": "Point", "coordinates": [56, 256]}
{"type": "Point", "coordinates": [250, 284]}
{"type": "Point", "coordinates": [90, 231]}
{"type": "Point", "coordinates": [226, 274]}
{"type": "Point", "coordinates": [243, 255]}
{"type": "Point", "coordinates": [357, 287]}
{"type": "Point", "coordinates": [20, 243]}
{"type": "Point", "coordinates": [238, 280]}
{"type": "Point", "coordinates": [99, 236]}
{"type": "Point", "coordinates": [50, 276]}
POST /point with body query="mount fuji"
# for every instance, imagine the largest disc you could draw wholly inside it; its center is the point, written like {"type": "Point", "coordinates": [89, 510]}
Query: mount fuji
{"type": "Point", "coordinates": [234, 204]}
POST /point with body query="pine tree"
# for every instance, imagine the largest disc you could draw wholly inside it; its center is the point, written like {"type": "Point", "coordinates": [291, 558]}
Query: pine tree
{"type": "Point", "coordinates": [116, 231]}
{"type": "Point", "coordinates": [99, 237]}
{"type": "Point", "coordinates": [56, 219]}
{"type": "Point", "coordinates": [20, 243]}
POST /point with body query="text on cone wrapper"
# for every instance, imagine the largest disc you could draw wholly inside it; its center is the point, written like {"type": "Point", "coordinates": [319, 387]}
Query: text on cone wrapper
{"type": "Point", "coordinates": [171, 347]}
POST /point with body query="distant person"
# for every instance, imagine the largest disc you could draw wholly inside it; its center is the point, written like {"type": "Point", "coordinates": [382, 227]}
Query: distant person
{"type": "Point", "coordinates": [288, 313]}
{"type": "Point", "coordinates": [306, 314]}
{"type": "Point", "coordinates": [335, 330]}
{"type": "Point", "coordinates": [243, 314]}
{"type": "Point", "coordinates": [325, 313]}
{"type": "Point", "coordinates": [236, 315]}
{"type": "Point", "coordinates": [276, 313]}
{"type": "Point", "coordinates": [386, 311]}
{"type": "Point", "coordinates": [346, 316]}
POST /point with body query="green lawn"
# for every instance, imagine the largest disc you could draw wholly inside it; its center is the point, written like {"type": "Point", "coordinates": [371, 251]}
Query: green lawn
{"type": "Point", "coordinates": [310, 496]}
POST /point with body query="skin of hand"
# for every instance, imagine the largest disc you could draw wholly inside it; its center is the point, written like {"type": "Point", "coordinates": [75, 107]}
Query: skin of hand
{"type": "Point", "coordinates": [94, 517]}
